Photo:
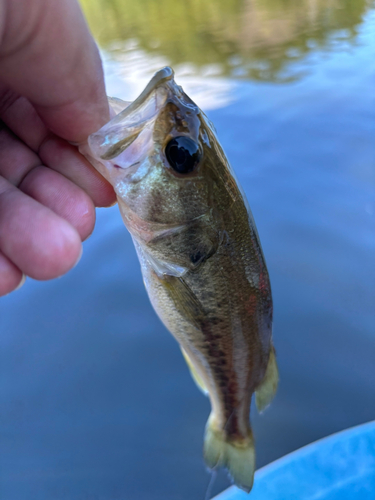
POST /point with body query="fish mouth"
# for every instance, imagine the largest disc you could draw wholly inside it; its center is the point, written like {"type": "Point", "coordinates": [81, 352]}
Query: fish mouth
{"type": "Point", "coordinates": [131, 131]}
{"type": "Point", "coordinates": [162, 76]}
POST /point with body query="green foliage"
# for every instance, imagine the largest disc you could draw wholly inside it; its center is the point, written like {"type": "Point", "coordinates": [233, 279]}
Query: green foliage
{"type": "Point", "coordinates": [259, 33]}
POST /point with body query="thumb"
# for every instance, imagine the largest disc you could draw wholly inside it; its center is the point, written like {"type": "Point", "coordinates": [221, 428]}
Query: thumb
{"type": "Point", "coordinates": [47, 54]}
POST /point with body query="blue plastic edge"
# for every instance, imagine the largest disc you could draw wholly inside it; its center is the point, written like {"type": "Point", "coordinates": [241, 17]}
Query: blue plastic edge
{"type": "Point", "coordinates": [318, 470]}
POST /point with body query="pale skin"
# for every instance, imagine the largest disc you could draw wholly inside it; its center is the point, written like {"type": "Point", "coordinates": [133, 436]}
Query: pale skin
{"type": "Point", "coordinates": [51, 93]}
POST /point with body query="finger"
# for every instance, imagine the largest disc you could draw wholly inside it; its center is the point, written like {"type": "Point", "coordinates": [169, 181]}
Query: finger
{"type": "Point", "coordinates": [48, 55]}
{"type": "Point", "coordinates": [63, 197]}
{"type": "Point", "coordinates": [65, 158]}
{"type": "Point", "coordinates": [22, 119]}
{"type": "Point", "coordinates": [21, 166]}
{"type": "Point", "coordinates": [16, 159]}
{"type": "Point", "coordinates": [39, 242]}
{"type": "Point", "coordinates": [10, 276]}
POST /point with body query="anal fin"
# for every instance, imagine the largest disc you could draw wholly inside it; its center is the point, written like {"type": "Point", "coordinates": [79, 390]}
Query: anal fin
{"type": "Point", "coordinates": [266, 390]}
{"type": "Point", "coordinates": [195, 375]}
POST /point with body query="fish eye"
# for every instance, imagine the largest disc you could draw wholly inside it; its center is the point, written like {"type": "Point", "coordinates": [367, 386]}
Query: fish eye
{"type": "Point", "coordinates": [183, 154]}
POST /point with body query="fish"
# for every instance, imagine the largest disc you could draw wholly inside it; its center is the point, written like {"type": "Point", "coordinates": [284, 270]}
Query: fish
{"type": "Point", "coordinates": [200, 255]}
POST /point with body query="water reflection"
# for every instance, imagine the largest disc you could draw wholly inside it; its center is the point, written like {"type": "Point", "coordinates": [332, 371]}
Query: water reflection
{"type": "Point", "coordinates": [257, 39]}
{"type": "Point", "coordinates": [133, 67]}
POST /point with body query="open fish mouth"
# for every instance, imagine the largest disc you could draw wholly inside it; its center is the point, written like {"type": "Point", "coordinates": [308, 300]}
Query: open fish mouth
{"type": "Point", "coordinates": [131, 131]}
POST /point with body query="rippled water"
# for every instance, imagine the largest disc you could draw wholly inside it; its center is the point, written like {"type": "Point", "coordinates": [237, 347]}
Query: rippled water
{"type": "Point", "coordinates": [96, 402]}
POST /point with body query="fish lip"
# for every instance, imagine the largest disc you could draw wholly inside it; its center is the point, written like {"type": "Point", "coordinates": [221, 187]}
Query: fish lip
{"type": "Point", "coordinates": [163, 75]}
{"type": "Point", "coordinates": [120, 132]}
{"type": "Point", "coordinates": [100, 141]}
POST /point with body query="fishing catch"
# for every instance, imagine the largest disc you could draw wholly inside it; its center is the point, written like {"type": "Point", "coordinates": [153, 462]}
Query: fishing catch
{"type": "Point", "coordinates": [200, 255]}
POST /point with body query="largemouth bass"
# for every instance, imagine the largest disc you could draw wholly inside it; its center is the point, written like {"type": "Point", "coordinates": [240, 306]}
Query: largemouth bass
{"type": "Point", "coordinates": [200, 255]}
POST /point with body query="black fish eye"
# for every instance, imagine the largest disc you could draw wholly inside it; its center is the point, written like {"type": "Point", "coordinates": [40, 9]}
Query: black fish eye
{"type": "Point", "coordinates": [183, 154]}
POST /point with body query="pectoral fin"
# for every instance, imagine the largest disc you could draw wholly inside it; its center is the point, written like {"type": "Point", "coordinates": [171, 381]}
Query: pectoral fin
{"type": "Point", "coordinates": [185, 300]}
{"type": "Point", "coordinates": [189, 245]}
{"type": "Point", "coordinates": [266, 390]}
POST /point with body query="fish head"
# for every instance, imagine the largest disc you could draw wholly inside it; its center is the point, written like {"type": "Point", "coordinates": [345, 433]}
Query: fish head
{"type": "Point", "coordinates": [161, 155]}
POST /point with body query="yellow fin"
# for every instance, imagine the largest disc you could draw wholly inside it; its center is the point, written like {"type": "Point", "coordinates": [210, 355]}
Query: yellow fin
{"type": "Point", "coordinates": [237, 456]}
{"type": "Point", "coordinates": [196, 377]}
{"type": "Point", "coordinates": [266, 390]}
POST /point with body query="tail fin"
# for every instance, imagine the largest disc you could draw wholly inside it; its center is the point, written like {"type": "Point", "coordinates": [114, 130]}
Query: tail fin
{"type": "Point", "coordinates": [266, 390]}
{"type": "Point", "coordinates": [237, 456]}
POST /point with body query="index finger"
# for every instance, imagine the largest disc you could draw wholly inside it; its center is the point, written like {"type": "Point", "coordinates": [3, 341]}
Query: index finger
{"type": "Point", "coordinates": [48, 55]}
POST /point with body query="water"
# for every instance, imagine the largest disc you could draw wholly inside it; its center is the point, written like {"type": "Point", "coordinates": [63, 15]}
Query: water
{"type": "Point", "coordinates": [96, 402]}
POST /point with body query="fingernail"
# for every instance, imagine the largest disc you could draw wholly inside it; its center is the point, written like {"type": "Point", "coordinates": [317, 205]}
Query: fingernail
{"type": "Point", "coordinates": [79, 257]}
{"type": "Point", "coordinates": [21, 283]}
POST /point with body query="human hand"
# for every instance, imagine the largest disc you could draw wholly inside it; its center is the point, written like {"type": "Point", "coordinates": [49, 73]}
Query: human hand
{"type": "Point", "coordinates": [51, 91]}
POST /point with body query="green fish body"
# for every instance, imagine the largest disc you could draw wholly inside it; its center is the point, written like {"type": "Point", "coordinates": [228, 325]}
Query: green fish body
{"type": "Point", "coordinates": [200, 255]}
